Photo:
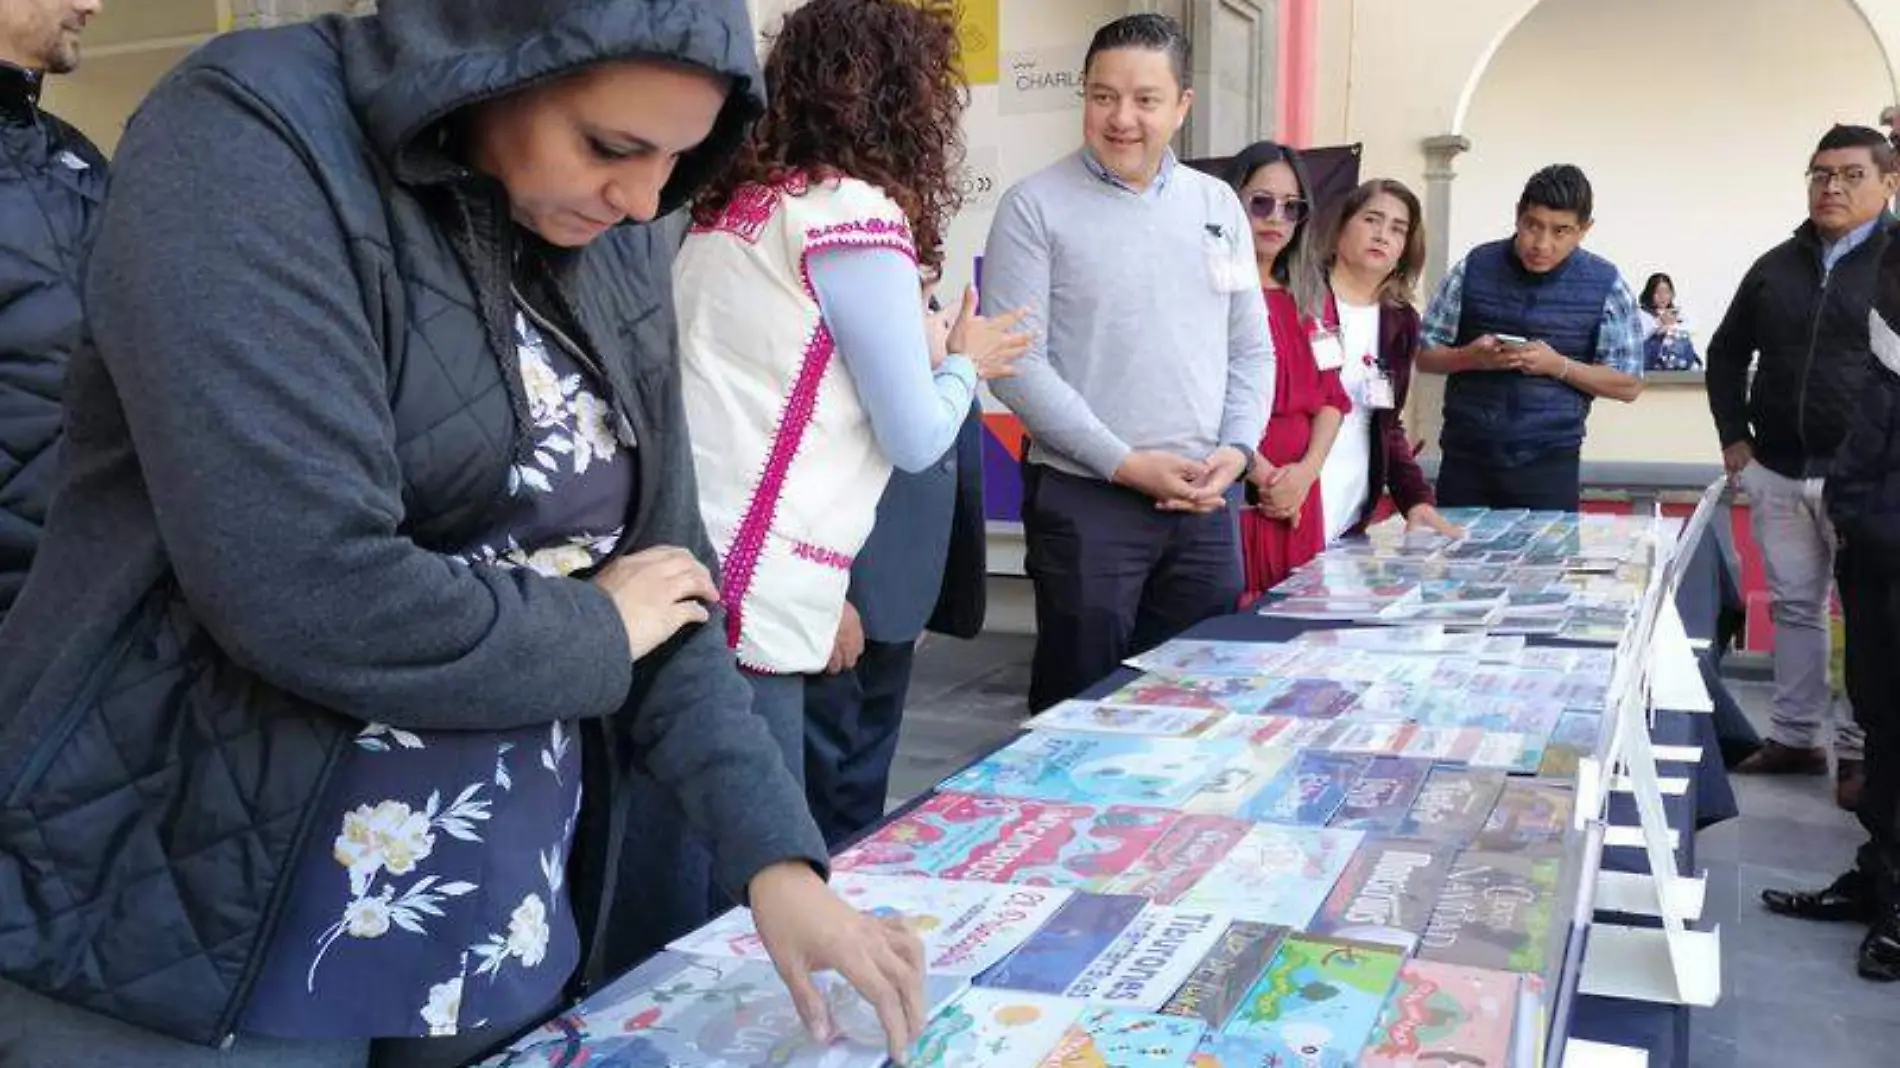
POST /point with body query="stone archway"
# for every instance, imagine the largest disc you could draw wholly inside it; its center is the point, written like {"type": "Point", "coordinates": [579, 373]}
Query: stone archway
{"type": "Point", "coordinates": [1694, 148]}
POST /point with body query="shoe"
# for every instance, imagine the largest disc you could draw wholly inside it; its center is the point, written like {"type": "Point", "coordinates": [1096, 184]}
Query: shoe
{"type": "Point", "coordinates": [1879, 958]}
{"type": "Point", "coordinates": [1848, 776]}
{"type": "Point", "coordinates": [1773, 758]}
{"type": "Point", "coordinates": [1846, 899]}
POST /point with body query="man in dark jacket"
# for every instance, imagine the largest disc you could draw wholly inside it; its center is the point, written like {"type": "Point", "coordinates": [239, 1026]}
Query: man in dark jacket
{"type": "Point", "coordinates": [1800, 316]}
{"type": "Point", "coordinates": [1863, 500]}
{"type": "Point", "coordinates": [50, 194]}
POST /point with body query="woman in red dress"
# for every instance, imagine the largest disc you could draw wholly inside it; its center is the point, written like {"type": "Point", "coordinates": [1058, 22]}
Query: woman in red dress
{"type": "Point", "coordinates": [1284, 526]}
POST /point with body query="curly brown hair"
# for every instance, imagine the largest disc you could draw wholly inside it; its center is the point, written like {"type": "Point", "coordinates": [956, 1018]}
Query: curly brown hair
{"type": "Point", "coordinates": [867, 89]}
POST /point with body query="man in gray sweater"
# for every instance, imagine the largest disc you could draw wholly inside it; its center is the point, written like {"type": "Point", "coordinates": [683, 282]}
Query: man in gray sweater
{"type": "Point", "coordinates": [1151, 385]}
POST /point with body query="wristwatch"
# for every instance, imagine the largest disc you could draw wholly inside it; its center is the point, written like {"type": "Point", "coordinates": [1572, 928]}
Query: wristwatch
{"type": "Point", "coordinates": [1246, 468]}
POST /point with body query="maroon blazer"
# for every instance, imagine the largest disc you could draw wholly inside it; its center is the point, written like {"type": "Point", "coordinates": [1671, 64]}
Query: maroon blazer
{"type": "Point", "coordinates": [1394, 467]}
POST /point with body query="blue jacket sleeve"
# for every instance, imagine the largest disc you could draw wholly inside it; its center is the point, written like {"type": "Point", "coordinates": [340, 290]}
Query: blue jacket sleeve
{"type": "Point", "coordinates": [870, 301]}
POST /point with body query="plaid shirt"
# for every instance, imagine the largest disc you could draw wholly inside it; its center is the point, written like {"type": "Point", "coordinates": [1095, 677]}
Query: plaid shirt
{"type": "Point", "coordinates": [1619, 335]}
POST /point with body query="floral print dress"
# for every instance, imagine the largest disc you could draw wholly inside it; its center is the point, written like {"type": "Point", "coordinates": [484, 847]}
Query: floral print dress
{"type": "Point", "coordinates": [431, 898]}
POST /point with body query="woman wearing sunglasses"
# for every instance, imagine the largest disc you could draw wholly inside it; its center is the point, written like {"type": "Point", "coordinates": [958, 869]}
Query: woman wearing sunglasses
{"type": "Point", "coordinates": [1284, 528]}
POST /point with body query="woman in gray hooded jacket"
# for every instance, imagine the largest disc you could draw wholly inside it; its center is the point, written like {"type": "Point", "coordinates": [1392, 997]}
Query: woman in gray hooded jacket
{"type": "Point", "coordinates": [377, 576]}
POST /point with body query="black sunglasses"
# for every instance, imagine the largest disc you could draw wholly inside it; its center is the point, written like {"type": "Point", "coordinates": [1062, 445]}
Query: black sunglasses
{"type": "Point", "coordinates": [1265, 206]}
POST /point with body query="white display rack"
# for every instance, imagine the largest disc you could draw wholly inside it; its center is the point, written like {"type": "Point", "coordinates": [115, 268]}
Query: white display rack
{"type": "Point", "coordinates": [1671, 963]}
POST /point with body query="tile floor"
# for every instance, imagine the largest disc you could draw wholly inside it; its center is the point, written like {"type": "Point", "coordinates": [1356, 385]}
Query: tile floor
{"type": "Point", "coordinates": [1791, 999]}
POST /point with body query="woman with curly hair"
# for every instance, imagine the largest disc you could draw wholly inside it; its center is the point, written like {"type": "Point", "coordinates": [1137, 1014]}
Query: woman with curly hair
{"type": "Point", "coordinates": [808, 363]}
{"type": "Point", "coordinates": [810, 366]}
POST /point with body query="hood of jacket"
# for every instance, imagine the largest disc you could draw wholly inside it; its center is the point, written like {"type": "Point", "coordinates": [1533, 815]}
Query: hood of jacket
{"type": "Point", "coordinates": [416, 63]}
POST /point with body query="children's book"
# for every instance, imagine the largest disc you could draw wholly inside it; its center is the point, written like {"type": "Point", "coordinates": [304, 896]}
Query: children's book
{"type": "Point", "coordinates": [1386, 894]}
{"type": "Point", "coordinates": [1057, 955]}
{"type": "Point", "coordinates": [1276, 732]}
{"type": "Point", "coordinates": [1117, 1038]}
{"type": "Point", "coordinates": [1154, 955]}
{"type": "Point", "coordinates": [995, 1029]}
{"type": "Point", "coordinates": [1276, 874]}
{"type": "Point", "coordinates": [1005, 840]}
{"type": "Point", "coordinates": [1229, 790]}
{"type": "Point", "coordinates": [1318, 1001]}
{"type": "Point", "coordinates": [1376, 738]}
{"type": "Point", "coordinates": [1097, 717]}
{"type": "Point", "coordinates": [1453, 805]}
{"type": "Point", "coordinates": [711, 1012]}
{"type": "Point", "coordinates": [1445, 1014]}
{"type": "Point", "coordinates": [1312, 699]}
{"type": "Point", "coordinates": [965, 927]}
{"type": "Point", "coordinates": [1197, 659]}
{"type": "Point", "coordinates": [1309, 791]}
{"type": "Point", "coordinates": [1382, 798]}
{"type": "Point", "coordinates": [1496, 911]}
{"type": "Point", "coordinates": [1449, 745]}
{"type": "Point", "coordinates": [1097, 769]}
{"type": "Point", "coordinates": [1215, 988]}
{"type": "Point", "coordinates": [1180, 858]}
{"type": "Point", "coordinates": [1531, 818]}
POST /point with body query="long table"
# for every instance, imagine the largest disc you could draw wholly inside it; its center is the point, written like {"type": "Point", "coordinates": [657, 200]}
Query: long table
{"type": "Point", "coordinates": [1660, 1030]}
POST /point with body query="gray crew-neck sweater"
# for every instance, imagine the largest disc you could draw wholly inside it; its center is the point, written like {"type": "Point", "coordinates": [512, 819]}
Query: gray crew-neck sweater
{"type": "Point", "coordinates": [1150, 329]}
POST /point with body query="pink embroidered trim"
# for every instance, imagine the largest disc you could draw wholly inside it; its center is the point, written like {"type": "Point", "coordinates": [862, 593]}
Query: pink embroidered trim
{"type": "Point", "coordinates": [822, 556]}
{"type": "Point", "coordinates": [801, 407]}
{"type": "Point", "coordinates": [752, 207]}
{"type": "Point", "coordinates": [748, 543]}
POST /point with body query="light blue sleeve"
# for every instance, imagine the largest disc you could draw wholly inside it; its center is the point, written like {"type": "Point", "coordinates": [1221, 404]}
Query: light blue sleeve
{"type": "Point", "coordinates": [870, 301]}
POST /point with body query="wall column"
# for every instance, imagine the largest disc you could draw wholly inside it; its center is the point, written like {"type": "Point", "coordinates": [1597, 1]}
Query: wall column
{"type": "Point", "coordinates": [1426, 408]}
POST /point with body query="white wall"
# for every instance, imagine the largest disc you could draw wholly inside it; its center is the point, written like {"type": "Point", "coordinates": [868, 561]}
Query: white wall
{"type": "Point", "coordinates": [1694, 142]}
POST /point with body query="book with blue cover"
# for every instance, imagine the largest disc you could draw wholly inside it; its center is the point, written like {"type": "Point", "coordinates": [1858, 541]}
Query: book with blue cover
{"type": "Point", "coordinates": [1056, 956]}
{"type": "Point", "coordinates": [1318, 1001]}
{"type": "Point", "coordinates": [1310, 791]}
{"type": "Point", "coordinates": [1182, 657]}
{"type": "Point", "coordinates": [1097, 769]}
{"type": "Point", "coordinates": [1151, 958]}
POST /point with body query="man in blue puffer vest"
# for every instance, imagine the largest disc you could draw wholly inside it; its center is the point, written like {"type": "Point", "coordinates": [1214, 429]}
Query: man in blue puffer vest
{"type": "Point", "coordinates": [1531, 330]}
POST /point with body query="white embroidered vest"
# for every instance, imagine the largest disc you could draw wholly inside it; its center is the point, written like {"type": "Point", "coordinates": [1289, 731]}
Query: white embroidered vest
{"type": "Point", "coordinates": [789, 470]}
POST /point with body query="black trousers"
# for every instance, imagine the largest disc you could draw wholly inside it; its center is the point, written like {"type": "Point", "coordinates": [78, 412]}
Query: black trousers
{"type": "Point", "coordinates": [1551, 482]}
{"type": "Point", "coordinates": [851, 728]}
{"type": "Point", "coordinates": [1870, 605]}
{"type": "Point", "coordinates": [1115, 577]}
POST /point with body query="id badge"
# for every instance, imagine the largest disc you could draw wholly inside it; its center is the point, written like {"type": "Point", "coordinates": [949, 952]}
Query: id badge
{"type": "Point", "coordinates": [1379, 394]}
{"type": "Point", "coordinates": [1328, 352]}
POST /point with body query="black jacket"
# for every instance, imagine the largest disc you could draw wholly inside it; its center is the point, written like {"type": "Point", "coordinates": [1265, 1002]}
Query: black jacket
{"type": "Point", "coordinates": [1863, 487]}
{"type": "Point", "coordinates": [51, 186]}
{"type": "Point", "coordinates": [1810, 330]}
{"type": "Point", "coordinates": [301, 389]}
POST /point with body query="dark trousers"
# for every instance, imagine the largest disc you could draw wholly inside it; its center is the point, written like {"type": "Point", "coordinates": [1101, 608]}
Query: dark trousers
{"type": "Point", "coordinates": [1551, 482]}
{"type": "Point", "coordinates": [1115, 577]}
{"type": "Point", "coordinates": [1870, 605]}
{"type": "Point", "coordinates": [851, 728]}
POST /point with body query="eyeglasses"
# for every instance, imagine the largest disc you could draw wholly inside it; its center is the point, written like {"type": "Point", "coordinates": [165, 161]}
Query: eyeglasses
{"type": "Point", "coordinates": [1264, 206]}
{"type": "Point", "coordinates": [1820, 178]}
